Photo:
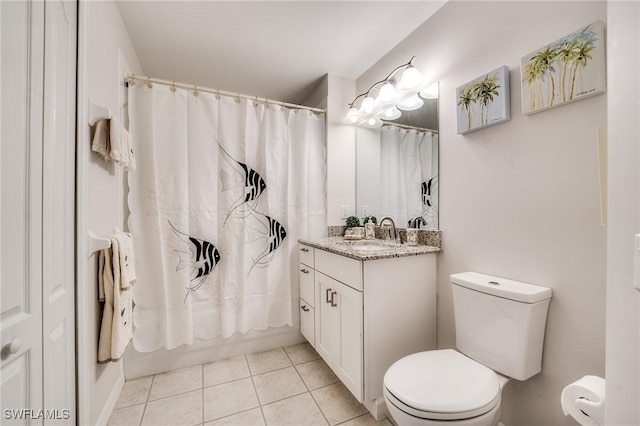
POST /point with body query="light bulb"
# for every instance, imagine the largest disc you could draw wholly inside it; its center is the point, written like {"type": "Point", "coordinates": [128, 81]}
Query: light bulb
{"type": "Point", "coordinates": [387, 94]}
{"type": "Point", "coordinates": [409, 104]}
{"type": "Point", "coordinates": [391, 113]}
{"type": "Point", "coordinates": [368, 105]}
{"type": "Point", "coordinates": [373, 123]}
{"type": "Point", "coordinates": [352, 115]}
{"type": "Point", "coordinates": [411, 79]}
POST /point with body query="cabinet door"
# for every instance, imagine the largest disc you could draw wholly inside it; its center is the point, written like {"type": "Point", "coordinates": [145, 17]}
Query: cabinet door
{"type": "Point", "coordinates": [349, 361]}
{"type": "Point", "coordinates": [328, 320]}
{"type": "Point", "coordinates": [339, 330]}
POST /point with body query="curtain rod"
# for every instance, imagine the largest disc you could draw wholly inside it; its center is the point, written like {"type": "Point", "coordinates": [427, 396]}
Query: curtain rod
{"type": "Point", "coordinates": [133, 79]}
{"type": "Point", "coordinates": [406, 126]}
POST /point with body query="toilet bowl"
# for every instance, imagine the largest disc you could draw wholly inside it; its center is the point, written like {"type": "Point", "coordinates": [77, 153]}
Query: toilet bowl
{"type": "Point", "coordinates": [500, 326]}
{"type": "Point", "coordinates": [437, 387]}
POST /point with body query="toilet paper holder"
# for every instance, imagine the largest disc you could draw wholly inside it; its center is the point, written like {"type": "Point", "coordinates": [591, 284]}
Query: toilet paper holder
{"type": "Point", "coordinates": [584, 400]}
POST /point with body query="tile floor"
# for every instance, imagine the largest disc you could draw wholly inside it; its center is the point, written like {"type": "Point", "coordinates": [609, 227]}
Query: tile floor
{"type": "Point", "coordinates": [286, 386]}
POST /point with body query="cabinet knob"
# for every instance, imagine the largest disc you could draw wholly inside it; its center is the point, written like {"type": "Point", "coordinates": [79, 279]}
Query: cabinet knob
{"type": "Point", "coordinates": [327, 299]}
{"type": "Point", "coordinates": [304, 250]}
{"type": "Point", "coordinates": [304, 271]}
{"type": "Point", "coordinates": [333, 295]}
{"type": "Point", "coordinates": [304, 308]}
{"type": "Point", "coordinates": [11, 347]}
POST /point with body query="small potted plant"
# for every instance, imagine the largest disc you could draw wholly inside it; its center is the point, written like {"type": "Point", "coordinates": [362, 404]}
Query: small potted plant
{"type": "Point", "coordinates": [368, 219]}
{"type": "Point", "coordinates": [354, 231]}
{"type": "Point", "coordinates": [353, 221]}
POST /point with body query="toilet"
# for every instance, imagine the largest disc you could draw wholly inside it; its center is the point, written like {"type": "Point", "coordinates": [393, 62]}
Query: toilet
{"type": "Point", "coordinates": [500, 327]}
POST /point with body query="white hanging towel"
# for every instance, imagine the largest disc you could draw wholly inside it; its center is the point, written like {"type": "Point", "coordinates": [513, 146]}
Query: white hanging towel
{"type": "Point", "coordinates": [113, 143]}
{"type": "Point", "coordinates": [114, 287]}
{"type": "Point", "coordinates": [121, 149]}
{"type": "Point", "coordinates": [100, 142]}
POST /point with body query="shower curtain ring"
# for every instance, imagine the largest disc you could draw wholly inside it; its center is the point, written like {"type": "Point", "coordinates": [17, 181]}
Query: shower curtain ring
{"type": "Point", "coordinates": [218, 94]}
{"type": "Point", "coordinates": [238, 98]}
{"type": "Point", "coordinates": [195, 91]}
{"type": "Point", "coordinates": [255, 103]}
{"type": "Point", "coordinates": [149, 84]}
{"type": "Point", "coordinates": [132, 80]}
{"type": "Point", "coordinates": [173, 86]}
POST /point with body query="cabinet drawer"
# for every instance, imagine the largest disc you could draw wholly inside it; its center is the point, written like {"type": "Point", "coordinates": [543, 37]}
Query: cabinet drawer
{"type": "Point", "coordinates": [343, 269]}
{"type": "Point", "coordinates": [306, 255]}
{"type": "Point", "coordinates": [306, 284]}
{"type": "Point", "coordinates": [307, 322]}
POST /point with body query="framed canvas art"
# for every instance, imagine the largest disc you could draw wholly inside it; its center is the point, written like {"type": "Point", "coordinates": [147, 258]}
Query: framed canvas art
{"type": "Point", "coordinates": [484, 102]}
{"type": "Point", "coordinates": [567, 70]}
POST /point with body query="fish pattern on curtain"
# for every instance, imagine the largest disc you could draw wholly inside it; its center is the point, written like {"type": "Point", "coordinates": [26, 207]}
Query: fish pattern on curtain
{"type": "Point", "coordinates": [222, 192]}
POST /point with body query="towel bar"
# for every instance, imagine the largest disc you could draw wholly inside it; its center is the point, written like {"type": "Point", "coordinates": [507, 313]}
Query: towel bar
{"type": "Point", "coordinates": [95, 243]}
{"type": "Point", "coordinates": [98, 112]}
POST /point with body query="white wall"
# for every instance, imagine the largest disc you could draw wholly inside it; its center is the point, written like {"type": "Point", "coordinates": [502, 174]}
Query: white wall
{"type": "Point", "coordinates": [341, 150]}
{"type": "Point", "coordinates": [105, 51]}
{"type": "Point", "coordinates": [623, 302]}
{"type": "Point", "coordinates": [520, 199]}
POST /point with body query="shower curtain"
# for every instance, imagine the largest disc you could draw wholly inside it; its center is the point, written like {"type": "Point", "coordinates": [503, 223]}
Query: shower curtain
{"type": "Point", "coordinates": [223, 190]}
{"type": "Point", "coordinates": [409, 175]}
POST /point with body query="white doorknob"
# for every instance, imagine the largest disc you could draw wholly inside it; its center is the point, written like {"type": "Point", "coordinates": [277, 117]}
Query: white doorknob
{"type": "Point", "coordinates": [12, 347]}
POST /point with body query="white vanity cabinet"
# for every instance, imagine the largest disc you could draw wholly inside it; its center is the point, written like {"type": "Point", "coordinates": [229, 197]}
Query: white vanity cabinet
{"type": "Point", "coordinates": [367, 314]}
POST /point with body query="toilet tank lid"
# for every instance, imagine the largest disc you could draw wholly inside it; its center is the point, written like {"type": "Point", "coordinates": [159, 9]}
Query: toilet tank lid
{"type": "Point", "coordinates": [502, 287]}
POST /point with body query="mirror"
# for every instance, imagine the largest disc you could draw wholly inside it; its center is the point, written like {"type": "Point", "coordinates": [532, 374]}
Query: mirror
{"type": "Point", "coordinates": [397, 168]}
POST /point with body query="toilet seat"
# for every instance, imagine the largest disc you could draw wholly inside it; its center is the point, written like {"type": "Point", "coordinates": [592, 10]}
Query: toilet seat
{"type": "Point", "coordinates": [442, 385]}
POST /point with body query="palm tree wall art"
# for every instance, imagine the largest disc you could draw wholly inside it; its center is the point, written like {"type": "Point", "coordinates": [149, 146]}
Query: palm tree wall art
{"type": "Point", "coordinates": [484, 101]}
{"type": "Point", "coordinates": [564, 71]}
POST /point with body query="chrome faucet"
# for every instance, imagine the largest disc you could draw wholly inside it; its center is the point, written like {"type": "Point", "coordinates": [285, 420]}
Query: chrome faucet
{"type": "Point", "coordinates": [415, 222]}
{"type": "Point", "coordinates": [392, 231]}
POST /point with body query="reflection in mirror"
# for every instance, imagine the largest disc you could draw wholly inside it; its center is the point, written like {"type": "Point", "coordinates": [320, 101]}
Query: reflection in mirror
{"type": "Point", "coordinates": [397, 169]}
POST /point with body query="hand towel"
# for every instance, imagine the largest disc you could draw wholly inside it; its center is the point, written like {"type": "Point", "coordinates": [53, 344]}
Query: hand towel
{"type": "Point", "coordinates": [100, 142]}
{"type": "Point", "coordinates": [127, 266]}
{"type": "Point", "coordinates": [106, 282]}
{"type": "Point", "coordinates": [121, 148]}
{"type": "Point", "coordinates": [116, 330]}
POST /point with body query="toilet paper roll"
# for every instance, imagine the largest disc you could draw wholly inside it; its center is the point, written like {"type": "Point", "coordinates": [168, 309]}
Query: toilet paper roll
{"type": "Point", "coordinates": [584, 400]}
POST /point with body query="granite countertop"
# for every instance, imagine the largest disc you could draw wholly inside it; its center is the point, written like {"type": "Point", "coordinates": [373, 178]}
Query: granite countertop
{"type": "Point", "coordinates": [368, 249]}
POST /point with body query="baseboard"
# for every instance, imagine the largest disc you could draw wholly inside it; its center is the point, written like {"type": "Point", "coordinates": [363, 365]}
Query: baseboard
{"type": "Point", "coordinates": [377, 408]}
{"type": "Point", "coordinates": [137, 364]}
{"type": "Point", "coordinates": [107, 410]}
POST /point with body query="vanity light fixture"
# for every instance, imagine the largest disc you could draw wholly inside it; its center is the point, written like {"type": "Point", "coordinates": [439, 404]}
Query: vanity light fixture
{"type": "Point", "coordinates": [398, 91]}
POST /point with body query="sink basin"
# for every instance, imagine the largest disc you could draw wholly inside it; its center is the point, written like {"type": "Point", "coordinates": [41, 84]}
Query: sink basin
{"type": "Point", "coordinates": [369, 246]}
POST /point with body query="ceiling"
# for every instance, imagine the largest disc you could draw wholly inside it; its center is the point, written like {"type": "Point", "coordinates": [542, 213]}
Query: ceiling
{"type": "Point", "coordinates": [273, 49]}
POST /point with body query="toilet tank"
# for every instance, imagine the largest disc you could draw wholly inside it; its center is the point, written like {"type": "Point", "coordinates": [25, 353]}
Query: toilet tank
{"type": "Point", "coordinates": [500, 323]}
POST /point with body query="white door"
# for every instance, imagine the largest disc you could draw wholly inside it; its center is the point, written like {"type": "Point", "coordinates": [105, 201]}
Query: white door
{"type": "Point", "coordinates": [58, 206]}
{"type": "Point", "coordinates": [36, 210]}
{"type": "Point", "coordinates": [21, 73]}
